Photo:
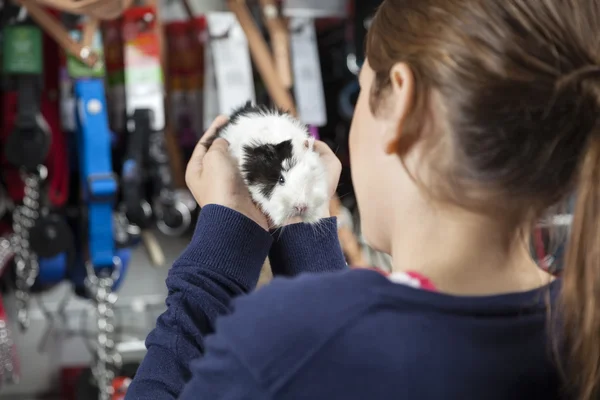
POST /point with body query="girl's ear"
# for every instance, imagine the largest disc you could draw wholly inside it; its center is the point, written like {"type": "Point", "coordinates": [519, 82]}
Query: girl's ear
{"type": "Point", "coordinates": [401, 103]}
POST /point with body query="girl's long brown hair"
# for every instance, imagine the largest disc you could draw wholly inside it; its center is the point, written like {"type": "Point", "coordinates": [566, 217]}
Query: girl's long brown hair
{"type": "Point", "coordinates": [519, 81]}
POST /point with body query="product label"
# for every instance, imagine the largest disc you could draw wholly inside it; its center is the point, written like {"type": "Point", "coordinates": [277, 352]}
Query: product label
{"type": "Point", "coordinates": [143, 72]}
{"type": "Point", "coordinates": [231, 61]}
{"type": "Point", "coordinates": [22, 49]}
{"type": "Point", "coordinates": [316, 8]}
{"type": "Point", "coordinates": [308, 82]}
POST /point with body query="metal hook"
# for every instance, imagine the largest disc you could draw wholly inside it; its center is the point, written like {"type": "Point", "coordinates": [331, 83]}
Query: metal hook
{"type": "Point", "coordinates": [50, 319]}
{"type": "Point", "coordinates": [220, 36]}
{"type": "Point", "coordinates": [22, 15]}
{"type": "Point", "coordinates": [299, 27]}
{"type": "Point", "coordinates": [115, 273]}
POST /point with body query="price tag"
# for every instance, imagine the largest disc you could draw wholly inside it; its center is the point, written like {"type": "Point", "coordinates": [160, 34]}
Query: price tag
{"type": "Point", "coordinates": [308, 82]}
{"type": "Point", "coordinates": [76, 68]}
{"type": "Point", "coordinates": [22, 49]}
{"type": "Point", "coordinates": [230, 61]}
{"type": "Point", "coordinates": [144, 86]}
{"type": "Point", "coordinates": [316, 8]}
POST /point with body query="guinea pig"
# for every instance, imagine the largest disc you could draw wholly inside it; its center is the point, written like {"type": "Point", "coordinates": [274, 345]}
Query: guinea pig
{"type": "Point", "coordinates": [278, 163]}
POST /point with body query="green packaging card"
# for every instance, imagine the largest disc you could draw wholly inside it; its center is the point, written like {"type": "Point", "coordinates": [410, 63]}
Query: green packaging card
{"type": "Point", "coordinates": [77, 69]}
{"type": "Point", "coordinates": [22, 48]}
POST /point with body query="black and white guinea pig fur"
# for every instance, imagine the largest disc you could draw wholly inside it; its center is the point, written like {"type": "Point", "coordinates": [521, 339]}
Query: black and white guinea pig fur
{"type": "Point", "coordinates": [283, 172]}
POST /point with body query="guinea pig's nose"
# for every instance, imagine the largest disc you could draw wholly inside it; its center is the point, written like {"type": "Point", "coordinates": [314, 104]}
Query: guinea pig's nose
{"type": "Point", "coordinates": [300, 208]}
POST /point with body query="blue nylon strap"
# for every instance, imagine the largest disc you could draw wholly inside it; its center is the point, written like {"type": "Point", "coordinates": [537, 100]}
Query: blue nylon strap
{"type": "Point", "coordinates": [52, 270]}
{"type": "Point", "coordinates": [95, 166]}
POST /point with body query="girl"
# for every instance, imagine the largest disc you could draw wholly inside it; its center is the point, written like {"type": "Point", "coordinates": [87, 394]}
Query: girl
{"type": "Point", "coordinates": [474, 118]}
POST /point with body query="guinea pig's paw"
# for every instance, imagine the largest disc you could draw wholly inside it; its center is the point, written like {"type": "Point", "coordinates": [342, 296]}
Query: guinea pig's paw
{"type": "Point", "coordinates": [276, 219]}
{"type": "Point", "coordinates": [312, 219]}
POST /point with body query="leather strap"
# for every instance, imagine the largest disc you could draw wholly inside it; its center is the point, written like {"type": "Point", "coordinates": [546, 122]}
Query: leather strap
{"type": "Point", "coordinates": [96, 10]}
{"type": "Point", "coordinates": [100, 9]}
{"type": "Point", "coordinates": [280, 41]}
{"type": "Point", "coordinates": [57, 160]}
{"type": "Point", "coordinates": [262, 57]}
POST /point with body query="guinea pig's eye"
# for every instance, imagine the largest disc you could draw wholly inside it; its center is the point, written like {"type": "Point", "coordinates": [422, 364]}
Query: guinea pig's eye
{"type": "Point", "coordinates": [281, 179]}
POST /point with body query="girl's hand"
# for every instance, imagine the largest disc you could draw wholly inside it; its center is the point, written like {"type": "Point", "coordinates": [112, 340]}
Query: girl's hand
{"type": "Point", "coordinates": [332, 165]}
{"type": "Point", "coordinates": [213, 177]}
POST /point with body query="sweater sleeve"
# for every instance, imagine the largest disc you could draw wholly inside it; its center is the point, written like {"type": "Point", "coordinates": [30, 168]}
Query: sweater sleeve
{"type": "Point", "coordinates": [223, 260]}
{"type": "Point", "coordinates": [307, 248]}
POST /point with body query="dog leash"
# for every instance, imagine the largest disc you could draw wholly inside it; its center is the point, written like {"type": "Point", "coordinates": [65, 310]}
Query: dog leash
{"type": "Point", "coordinates": [96, 10]}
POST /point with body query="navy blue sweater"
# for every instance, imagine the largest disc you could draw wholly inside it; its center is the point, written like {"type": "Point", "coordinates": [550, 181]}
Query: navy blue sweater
{"type": "Point", "coordinates": [340, 334]}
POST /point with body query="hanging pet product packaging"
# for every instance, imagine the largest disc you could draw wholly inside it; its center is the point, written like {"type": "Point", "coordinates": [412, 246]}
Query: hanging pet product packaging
{"type": "Point", "coordinates": [26, 145]}
{"type": "Point", "coordinates": [231, 63]}
{"type": "Point", "coordinates": [195, 91]}
{"type": "Point", "coordinates": [308, 83]}
{"type": "Point", "coordinates": [101, 266]}
{"type": "Point", "coordinates": [316, 8]}
{"type": "Point", "coordinates": [146, 160]}
{"type": "Point", "coordinates": [115, 73]}
{"type": "Point", "coordinates": [51, 237]}
{"type": "Point", "coordinates": [142, 63]}
{"type": "Point", "coordinates": [71, 68]}
{"type": "Point", "coordinates": [143, 74]}
{"type": "Point", "coordinates": [76, 68]}
{"type": "Point", "coordinates": [67, 100]}
{"type": "Point", "coordinates": [180, 66]}
{"type": "Point", "coordinates": [22, 49]}
{"type": "Point", "coordinates": [210, 105]}
{"type": "Point", "coordinates": [177, 47]}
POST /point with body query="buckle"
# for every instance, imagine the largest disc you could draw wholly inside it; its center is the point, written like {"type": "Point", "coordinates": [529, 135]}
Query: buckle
{"type": "Point", "coordinates": [110, 195]}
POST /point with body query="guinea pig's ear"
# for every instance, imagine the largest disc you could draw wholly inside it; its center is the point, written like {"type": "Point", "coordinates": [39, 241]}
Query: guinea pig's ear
{"type": "Point", "coordinates": [309, 143]}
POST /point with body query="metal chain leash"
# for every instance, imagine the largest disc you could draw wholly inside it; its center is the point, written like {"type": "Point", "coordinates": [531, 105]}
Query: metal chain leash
{"type": "Point", "coordinates": [8, 369]}
{"type": "Point", "coordinates": [26, 262]}
{"type": "Point", "coordinates": [7, 252]}
{"type": "Point", "coordinates": [107, 359]}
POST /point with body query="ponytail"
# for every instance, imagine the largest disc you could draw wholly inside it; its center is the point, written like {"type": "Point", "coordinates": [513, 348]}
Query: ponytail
{"type": "Point", "coordinates": [580, 295]}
